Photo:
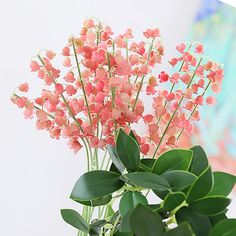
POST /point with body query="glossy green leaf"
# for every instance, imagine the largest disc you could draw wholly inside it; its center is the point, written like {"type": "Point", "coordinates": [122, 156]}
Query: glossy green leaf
{"type": "Point", "coordinates": [98, 223]}
{"type": "Point", "coordinates": [201, 186]}
{"type": "Point", "coordinates": [147, 180]}
{"type": "Point", "coordinates": [96, 184]}
{"type": "Point", "coordinates": [114, 169]}
{"type": "Point", "coordinates": [161, 193]}
{"type": "Point", "coordinates": [128, 151]}
{"type": "Point", "coordinates": [125, 224]}
{"type": "Point", "coordinates": [223, 227]}
{"type": "Point", "coordinates": [183, 229]}
{"type": "Point", "coordinates": [117, 233]}
{"type": "Point", "coordinates": [210, 205]}
{"type": "Point", "coordinates": [217, 218]}
{"type": "Point", "coordinates": [143, 221]}
{"type": "Point", "coordinates": [176, 159]}
{"type": "Point", "coordinates": [173, 200]}
{"type": "Point", "coordinates": [199, 162]}
{"type": "Point", "coordinates": [132, 135]}
{"type": "Point", "coordinates": [74, 219]}
{"type": "Point", "coordinates": [179, 179]}
{"type": "Point", "coordinates": [115, 159]}
{"type": "Point", "coordinates": [223, 183]}
{"type": "Point", "coordinates": [146, 164]}
{"type": "Point", "coordinates": [230, 233]}
{"type": "Point", "coordinates": [130, 200]}
{"type": "Point", "coordinates": [96, 202]}
{"type": "Point", "coordinates": [200, 225]}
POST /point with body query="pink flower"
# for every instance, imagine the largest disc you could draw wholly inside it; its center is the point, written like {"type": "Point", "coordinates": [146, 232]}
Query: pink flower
{"type": "Point", "coordinates": [151, 33]}
{"type": "Point", "coordinates": [66, 51]}
{"type": "Point", "coordinates": [216, 88]}
{"type": "Point", "coordinates": [163, 77]}
{"type": "Point", "coordinates": [181, 47]}
{"type": "Point", "coordinates": [210, 100]}
{"type": "Point", "coordinates": [75, 145]}
{"type": "Point", "coordinates": [59, 88]}
{"type": "Point", "coordinates": [34, 66]}
{"type": "Point", "coordinates": [69, 77]}
{"type": "Point", "coordinates": [67, 62]}
{"type": "Point", "coordinates": [201, 83]}
{"type": "Point", "coordinates": [199, 100]}
{"type": "Point", "coordinates": [24, 87]}
{"type": "Point", "coordinates": [144, 148]}
{"type": "Point", "coordinates": [199, 49]}
{"type": "Point", "coordinates": [128, 34]}
{"type": "Point", "coordinates": [173, 61]}
{"type": "Point", "coordinates": [50, 54]}
{"type": "Point", "coordinates": [70, 90]}
{"type": "Point", "coordinates": [107, 91]}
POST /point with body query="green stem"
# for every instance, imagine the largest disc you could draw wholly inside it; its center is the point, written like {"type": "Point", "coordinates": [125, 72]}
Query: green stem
{"type": "Point", "coordinates": [82, 83]}
{"type": "Point", "coordinates": [194, 109]}
{"type": "Point", "coordinates": [113, 91]}
{"type": "Point", "coordinates": [173, 115]}
{"type": "Point", "coordinates": [173, 85]}
{"type": "Point", "coordinates": [36, 107]}
{"type": "Point", "coordinates": [103, 160]}
{"type": "Point", "coordinates": [143, 76]}
{"type": "Point", "coordinates": [114, 226]}
{"type": "Point", "coordinates": [127, 50]}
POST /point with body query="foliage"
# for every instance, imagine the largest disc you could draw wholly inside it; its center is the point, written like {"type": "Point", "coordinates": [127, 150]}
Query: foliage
{"type": "Point", "coordinates": [193, 197]}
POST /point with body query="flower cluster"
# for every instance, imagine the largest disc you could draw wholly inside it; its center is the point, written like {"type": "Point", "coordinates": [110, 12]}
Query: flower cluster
{"type": "Point", "coordinates": [102, 82]}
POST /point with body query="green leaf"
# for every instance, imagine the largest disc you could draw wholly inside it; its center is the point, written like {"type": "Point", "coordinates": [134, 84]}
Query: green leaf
{"type": "Point", "coordinates": [143, 221]}
{"type": "Point", "coordinates": [179, 179]}
{"type": "Point", "coordinates": [147, 180]}
{"type": "Point", "coordinates": [125, 224]}
{"type": "Point", "coordinates": [128, 151]}
{"type": "Point", "coordinates": [146, 164]}
{"type": "Point", "coordinates": [74, 219]}
{"type": "Point", "coordinates": [200, 225]}
{"type": "Point", "coordinates": [132, 135]}
{"type": "Point", "coordinates": [173, 200]}
{"type": "Point", "coordinates": [114, 169]}
{"type": "Point", "coordinates": [224, 227]}
{"type": "Point", "coordinates": [96, 184]}
{"type": "Point", "coordinates": [223, 183]}
{"type": "Point", "coordinates": [201, 186]}
{"type": "Point", "coordinates": [230, 233]}
{"type": "Point", "coordinates": [95, 227]}
{"type": "Point", "coordinates": [130, 200]}
{"type": "Point", "coordinates": [159, 209]}
{"type": "Point", "coordinates": [183, 229]}
{"type": "Point", "coordinates": [117, 233]}
{"type": "Point", "coordinates": [96, 202]}
{"type": "Point", "coordinates": [98, 223]}
{"type": "Point", "coordinates": [115, 159]}
{"type": "Point", "coordinates": [176, 159]}
{"type": "Point", "coordinates": [109, 212]}
{"type": "Point", "coordinates": [210, 205]}
{"type": "Point", "coordinates": [114, 217]}
{"type": "Point", "coordinates": [199, 162]}
{"type": "Point", "coordinates": [161, 193]}
{"type": "Point", "coordinates": [217, 218]}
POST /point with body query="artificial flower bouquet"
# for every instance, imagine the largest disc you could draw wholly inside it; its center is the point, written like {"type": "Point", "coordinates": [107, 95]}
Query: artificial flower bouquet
{"type": "Point", "coordinates": [113, 99]}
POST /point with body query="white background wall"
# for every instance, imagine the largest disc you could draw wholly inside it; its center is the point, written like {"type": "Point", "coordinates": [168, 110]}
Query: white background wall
{"type": "Point", "coordinates": [36, 172]}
